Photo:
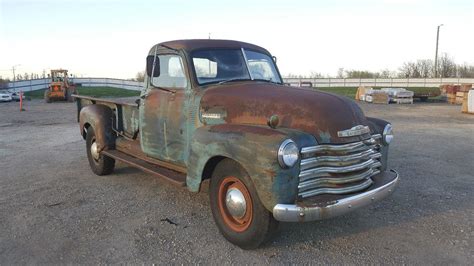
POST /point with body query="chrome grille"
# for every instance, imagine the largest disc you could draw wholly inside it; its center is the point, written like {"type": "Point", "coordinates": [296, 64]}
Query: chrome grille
{"type": "Point", "coordinates": [339, 169]}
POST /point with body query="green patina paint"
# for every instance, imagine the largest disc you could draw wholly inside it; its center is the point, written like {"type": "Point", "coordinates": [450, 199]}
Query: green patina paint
{"type": "Point", "coordinates": [255, 148]}
{"type": "Point", "coordinates": [325, 137]}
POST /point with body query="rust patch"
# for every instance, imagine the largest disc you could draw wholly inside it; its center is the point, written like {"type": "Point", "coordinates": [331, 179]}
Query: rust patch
{"type": "Point", "coordinates": [303, 109]}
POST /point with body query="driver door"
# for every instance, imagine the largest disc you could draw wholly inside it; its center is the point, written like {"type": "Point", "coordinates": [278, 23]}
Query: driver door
{"type": "Point", "coordinates": [162, 114]}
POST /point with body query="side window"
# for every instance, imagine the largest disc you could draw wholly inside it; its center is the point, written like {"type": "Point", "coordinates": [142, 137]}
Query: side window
{"type": "Point", "coordinates": [171, 73]}
{"type": "Point", "coordinates": [205, 68]}
{"type": "Point", "coordinates": [260, 69]}
{"type": "Point", "coordinates": [262, 66]}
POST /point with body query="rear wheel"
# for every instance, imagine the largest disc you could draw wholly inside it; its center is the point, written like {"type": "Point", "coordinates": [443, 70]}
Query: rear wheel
{"type": "Point", "coordinates": [68, 95]}
{"type": "Point", "coordinates": [100, 164]}
{"type": "Point", "coordinates": [236, 207]}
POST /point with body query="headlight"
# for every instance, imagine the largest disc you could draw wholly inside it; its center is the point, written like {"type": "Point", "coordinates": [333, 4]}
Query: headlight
{"type": "Point", "coordinates": [387, 134]}
{"type": "Point", "coordinates": [288, 153]}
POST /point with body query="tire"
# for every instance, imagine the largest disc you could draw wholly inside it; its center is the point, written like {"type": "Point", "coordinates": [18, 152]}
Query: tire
{"type": "Point", "coordinates": [101, 165]}
{"type": "Point", "coordinates": [250, 229]}
{"type": "Point", "coordinates": [46, 96]}
{"type": "Point", "coordinates": [68, 96]}
{"type": "Point", "coordinates": [74, 92]}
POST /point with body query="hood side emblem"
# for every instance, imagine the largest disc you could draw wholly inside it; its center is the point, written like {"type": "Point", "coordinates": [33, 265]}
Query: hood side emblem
{"type": "Point", "coordinates": [354, 131]}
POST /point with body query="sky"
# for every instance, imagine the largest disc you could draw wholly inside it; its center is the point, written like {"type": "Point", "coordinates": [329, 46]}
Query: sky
{"type": "Point", "coordinates": [111, 38]}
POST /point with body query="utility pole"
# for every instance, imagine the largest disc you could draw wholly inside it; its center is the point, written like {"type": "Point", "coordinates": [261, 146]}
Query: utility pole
{"type": "Point", "coordinates": [14, 77]}
{"type": "Point", "coordinates": [436, 55]}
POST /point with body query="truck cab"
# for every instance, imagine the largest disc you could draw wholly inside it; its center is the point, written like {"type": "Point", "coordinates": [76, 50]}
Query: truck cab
{"type": "Point", "coordinates": [216, 113]}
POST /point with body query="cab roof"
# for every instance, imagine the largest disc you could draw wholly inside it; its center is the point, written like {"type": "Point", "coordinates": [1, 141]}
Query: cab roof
{"type": "Point", "coordinates": [197, 44]}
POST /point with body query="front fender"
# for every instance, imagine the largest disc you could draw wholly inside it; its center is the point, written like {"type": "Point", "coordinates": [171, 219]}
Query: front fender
{"type": "Point", "coordinates": [377, 126]}
{"type": "Point", "coordinates": [255, 149]}
{"type": "Point", "coordinates": [100, 118]}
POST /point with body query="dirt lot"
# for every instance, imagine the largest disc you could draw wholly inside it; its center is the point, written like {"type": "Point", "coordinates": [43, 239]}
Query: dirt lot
{"type": "Point", "coordinates": [53, 209]}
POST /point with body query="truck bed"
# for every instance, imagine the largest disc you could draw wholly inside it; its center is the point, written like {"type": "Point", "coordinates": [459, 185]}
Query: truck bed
{"type": "Point", "coordinates": [129, 101]}
{"type": "Point", "coordinates": [125, 109]}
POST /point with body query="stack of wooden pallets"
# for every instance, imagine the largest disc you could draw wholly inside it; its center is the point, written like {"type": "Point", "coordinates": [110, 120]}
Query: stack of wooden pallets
{"type": "Point", "coordinates": [462, 94]}
{"type": "Point", "coordinates": [376, 96]}
{"type": "Point", "coordinates": [466, 97]}
{"type": "Point", "coordinates": [450, 91]}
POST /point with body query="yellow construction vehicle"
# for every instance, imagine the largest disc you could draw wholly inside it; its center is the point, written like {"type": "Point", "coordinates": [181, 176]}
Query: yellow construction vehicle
{"type": "Point", "coordinates": [60, 88]}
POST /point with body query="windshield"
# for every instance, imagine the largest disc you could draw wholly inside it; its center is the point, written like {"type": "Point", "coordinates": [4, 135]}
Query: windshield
{"type": "Point", "coordinates": [226, 65]}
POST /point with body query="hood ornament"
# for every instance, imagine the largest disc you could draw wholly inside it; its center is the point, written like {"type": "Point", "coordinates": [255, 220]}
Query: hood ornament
{"type": "Point", "coordinates": [354, 131]}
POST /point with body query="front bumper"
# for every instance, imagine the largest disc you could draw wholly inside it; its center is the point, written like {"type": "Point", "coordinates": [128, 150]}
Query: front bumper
{"type": "Point", "coordinates": [299, 213]}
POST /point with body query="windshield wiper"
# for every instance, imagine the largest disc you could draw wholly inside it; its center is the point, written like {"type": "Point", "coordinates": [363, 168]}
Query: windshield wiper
{"type": "Point", "coordinates": [267, 80]}
{"type": "Point", "coordinates": [232, 79]}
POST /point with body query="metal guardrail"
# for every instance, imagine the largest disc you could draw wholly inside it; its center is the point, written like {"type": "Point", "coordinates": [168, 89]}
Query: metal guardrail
{"type": "Point", "coordinates": [389, 82]}
{"type": "Point", "coordinates": [38, 84]}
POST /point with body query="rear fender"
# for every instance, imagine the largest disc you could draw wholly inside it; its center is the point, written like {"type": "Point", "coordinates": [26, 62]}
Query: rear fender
{"type": "Point", "coordinates": [100, 118]}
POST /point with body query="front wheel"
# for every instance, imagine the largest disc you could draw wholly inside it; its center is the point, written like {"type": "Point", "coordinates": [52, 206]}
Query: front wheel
{"type": "Point", "coordinates": [47, 99]}
{"type": "Point", "coordinates": [236, 207]}
{"type": "Point", "coordinates": [100, 164]}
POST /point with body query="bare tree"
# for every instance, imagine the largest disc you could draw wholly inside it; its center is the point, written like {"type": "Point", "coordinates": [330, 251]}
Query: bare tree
{"type": "Point", "coordinates": [291, 75]}
{"type": "Point", "coordinates": [447, 66]}
{"type": "Point", "coordinates": [340, 73]}
{"type": "Point", "coordinates": [360, 74]}
{"type": "Point", "coordinates": [315, 75]}
{"type": "Point", "coordinates": [3, 83]}
{"type": "Point", "coordinates": [140, 76]}
{"type": "Point", "coordinates": [409, 70]}
{"type": "Point", "coordinates": [424, 68]}
{"type": "Point", "coordinates": [386, 73]}
{"type": "Point", "coordinates": [465, 71]}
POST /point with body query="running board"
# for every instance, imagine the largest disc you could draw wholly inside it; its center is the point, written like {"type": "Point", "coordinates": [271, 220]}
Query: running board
{"type": "Point", "coordinates": [175, 178]}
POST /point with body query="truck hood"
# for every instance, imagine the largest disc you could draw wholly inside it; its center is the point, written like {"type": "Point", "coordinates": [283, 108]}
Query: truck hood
{"type": "Point", "coordinates": [317, 113]}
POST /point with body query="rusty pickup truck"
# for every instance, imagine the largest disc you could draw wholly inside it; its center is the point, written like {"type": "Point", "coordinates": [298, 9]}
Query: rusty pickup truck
{"type": "Point", "coordinates": [216, 113]}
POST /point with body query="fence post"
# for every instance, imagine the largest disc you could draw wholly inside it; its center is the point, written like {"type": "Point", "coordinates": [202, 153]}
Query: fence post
{"type": "Point", "coordinates": [344, 82]}
{"type": "Point", "coordinates": [391, 82]}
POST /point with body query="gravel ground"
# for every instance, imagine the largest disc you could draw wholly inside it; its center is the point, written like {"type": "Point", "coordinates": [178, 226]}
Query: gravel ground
{"type": "Point", "coordinates": [53, 209]}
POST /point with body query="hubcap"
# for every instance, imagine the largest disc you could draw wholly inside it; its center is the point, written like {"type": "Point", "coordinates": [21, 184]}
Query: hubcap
{"type": "Point", "coordinates": [235, 202]}
{"type": "Point", "coordinates": [94, 151]}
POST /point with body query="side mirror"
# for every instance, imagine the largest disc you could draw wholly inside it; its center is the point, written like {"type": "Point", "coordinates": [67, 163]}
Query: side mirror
{"type": "Point", "coordinates": [149, 66]}
{"type": "Point", "coordinates": [274, 59]}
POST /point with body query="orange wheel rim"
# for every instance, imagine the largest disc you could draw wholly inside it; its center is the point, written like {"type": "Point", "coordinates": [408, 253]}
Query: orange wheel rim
{"type": "Point", "coordinates": [237, 224]}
